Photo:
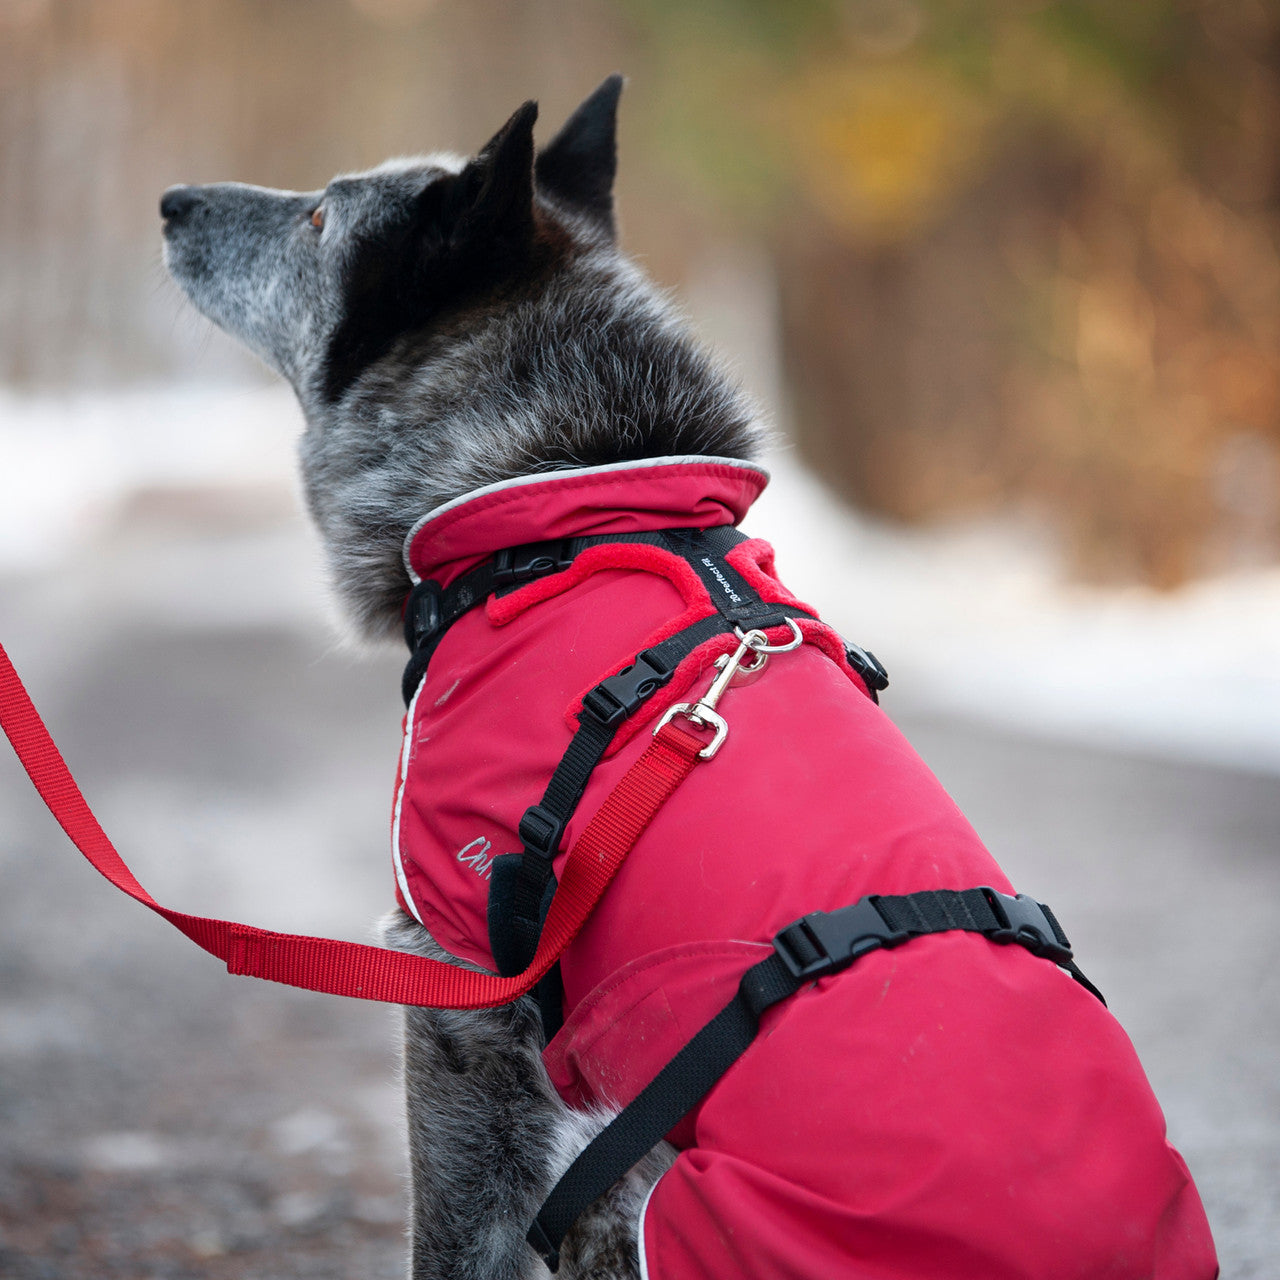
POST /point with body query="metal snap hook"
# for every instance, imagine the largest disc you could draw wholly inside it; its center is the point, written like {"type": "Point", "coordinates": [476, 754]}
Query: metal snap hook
{"type": "Point", "coordinates": [754, 644]}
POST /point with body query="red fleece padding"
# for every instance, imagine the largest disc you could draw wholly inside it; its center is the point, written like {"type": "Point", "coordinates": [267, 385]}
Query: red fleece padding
{"type": "Point", "coordinates": [753, 559]}
{"type": "Point", "coordinates": [639, 556]}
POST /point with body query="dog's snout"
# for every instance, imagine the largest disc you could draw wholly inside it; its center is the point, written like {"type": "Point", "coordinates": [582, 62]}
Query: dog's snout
{"type": "Point", "coordinates": [177, 202]}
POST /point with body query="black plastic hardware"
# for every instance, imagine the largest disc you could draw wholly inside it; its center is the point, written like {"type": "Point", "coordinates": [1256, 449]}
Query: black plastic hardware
{"type": "Point", "coordinates": [817, 944]}
{"type": "Point", "coordinates": [827, 941]}
{"type": "Point", "coordinates": [423, 615]}
{"type": "Point", "coordinates": [515, 566]}
{"type": "Point", "coordinates": [614, 699]}
{"type": "Point", "coordinates": [868, 666]}
{"type": "Point", "coordinates": [541, 831]}
{"type": "Point", "coordinates": [1026, 923]}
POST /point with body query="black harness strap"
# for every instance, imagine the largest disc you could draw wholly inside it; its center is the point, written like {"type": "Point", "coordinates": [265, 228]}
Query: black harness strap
{"type": "Point", "coordinates": [814, 946]}
{"type": "Point", "coordinates": [521, 885]}
{"type": "Point", "coordinates": [737, 603]}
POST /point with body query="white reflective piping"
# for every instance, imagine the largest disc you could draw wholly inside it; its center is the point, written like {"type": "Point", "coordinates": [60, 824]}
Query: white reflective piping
{"type": "Point", "coordinates": [401, 880]}
{"type": "Point", "coordinates": [644, 1262]}
{"type": "Point", "coordinates": [518, 481]}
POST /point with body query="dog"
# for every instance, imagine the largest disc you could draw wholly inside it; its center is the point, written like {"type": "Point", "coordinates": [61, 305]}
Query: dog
{"type": "Point", "coordinates": [460, 325]}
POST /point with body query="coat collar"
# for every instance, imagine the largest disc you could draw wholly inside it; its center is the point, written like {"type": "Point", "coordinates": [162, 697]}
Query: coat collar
{"type": "Point", "coordinates": [624, 497]}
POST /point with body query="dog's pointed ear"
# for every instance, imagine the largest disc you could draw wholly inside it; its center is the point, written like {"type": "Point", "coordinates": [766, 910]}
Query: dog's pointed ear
{"type": "Point", "coordinates": [498, 183]}
{"type": "Point", "coordinates": [579, 164]}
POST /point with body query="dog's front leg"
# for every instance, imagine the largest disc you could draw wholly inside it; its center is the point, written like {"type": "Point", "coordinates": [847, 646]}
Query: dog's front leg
{"type": "Point", "coordinates": [488, 1137]}
{"type": "Point", "coordinates": [483, 1121]}
{"type": "Point", "coordinates": [481, 1127]}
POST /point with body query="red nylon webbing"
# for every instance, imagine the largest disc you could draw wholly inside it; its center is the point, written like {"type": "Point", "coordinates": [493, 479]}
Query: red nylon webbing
{"type": "Point", "coordinates": [352, 968]}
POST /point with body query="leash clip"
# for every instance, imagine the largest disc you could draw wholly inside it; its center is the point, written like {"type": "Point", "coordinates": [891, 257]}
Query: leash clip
{"type": "Point", "coordinates": [729, 666]}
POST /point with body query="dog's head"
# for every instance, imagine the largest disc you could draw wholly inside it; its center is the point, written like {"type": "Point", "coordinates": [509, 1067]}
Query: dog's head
{"type": "Point", "coordinates": [451, 323]}
{"type": "Point", "coordinates": [321, 284]}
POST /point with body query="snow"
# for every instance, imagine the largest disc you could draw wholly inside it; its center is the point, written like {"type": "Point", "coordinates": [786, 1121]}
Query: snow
{"type": "Point", "coordinates": [978, 619]}
{"type": "Point", "coordinates": [981, 620]}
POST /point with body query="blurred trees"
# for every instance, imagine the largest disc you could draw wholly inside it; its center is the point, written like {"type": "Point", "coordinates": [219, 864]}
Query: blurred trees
{"type": "Point", "coordinates": [1023, 252]}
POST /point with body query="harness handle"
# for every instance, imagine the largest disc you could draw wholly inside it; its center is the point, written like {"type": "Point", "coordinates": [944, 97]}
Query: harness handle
{"type": "Point", "coordinates": [351, 968]}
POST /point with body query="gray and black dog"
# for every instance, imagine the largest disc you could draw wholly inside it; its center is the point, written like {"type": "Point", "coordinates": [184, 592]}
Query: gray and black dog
{"type": "Point", "coordinates": [448, 323]}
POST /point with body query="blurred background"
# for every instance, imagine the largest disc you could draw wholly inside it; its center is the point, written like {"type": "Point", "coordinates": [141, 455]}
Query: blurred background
{"type": "Point", "coordinates": [1005, 277]}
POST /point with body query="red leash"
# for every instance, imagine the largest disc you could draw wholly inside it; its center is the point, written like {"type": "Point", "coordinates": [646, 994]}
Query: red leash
{"type": "Point", "coordinates": [352, 968]}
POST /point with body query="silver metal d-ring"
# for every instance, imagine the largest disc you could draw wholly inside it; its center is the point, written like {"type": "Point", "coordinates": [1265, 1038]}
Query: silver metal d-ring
{"type": "Point", "coordinates": [762, 645]}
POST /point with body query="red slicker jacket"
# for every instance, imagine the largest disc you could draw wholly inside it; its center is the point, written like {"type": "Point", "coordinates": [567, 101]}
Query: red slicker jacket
{"type": "Point", "coordinates": [951, 1108]}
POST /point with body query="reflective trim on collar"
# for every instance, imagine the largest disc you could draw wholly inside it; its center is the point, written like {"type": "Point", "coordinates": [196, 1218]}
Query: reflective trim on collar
{"type": "Point", "coordinates": [542, 476]}
{"type": "Point", "coordinates": [405, 752]}
{"type": "Point", "coordinates": [644, 1261]}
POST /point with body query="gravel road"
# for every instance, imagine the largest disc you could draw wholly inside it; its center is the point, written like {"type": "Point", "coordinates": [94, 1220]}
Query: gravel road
{"type": "Point", "coordinates": [159, 1118]}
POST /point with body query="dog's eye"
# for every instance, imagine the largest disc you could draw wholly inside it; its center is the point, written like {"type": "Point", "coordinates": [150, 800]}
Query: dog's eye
{"type": "Point", "coordinates": [317, 217]}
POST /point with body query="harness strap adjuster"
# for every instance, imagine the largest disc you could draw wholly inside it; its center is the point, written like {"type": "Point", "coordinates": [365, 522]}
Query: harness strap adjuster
{"type": "Point", "coordinates": [825, 942]}
{"type": "Point", "coordinates": [540, 830]}
{"type": "Point", "coordinates": [614, 699]}
{"type": "Point", "coordinates": [514, 566]}
{"type": "Point", "coordinates": [423, 614]}
{"type": "Point", "coordinates": [868, 666]}
{"type": "Point", "coordinates": [1028, 923]}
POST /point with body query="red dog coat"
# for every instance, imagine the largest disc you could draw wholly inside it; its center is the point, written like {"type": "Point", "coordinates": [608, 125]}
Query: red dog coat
{"type": "Point", "coordinates": [948, 1108]}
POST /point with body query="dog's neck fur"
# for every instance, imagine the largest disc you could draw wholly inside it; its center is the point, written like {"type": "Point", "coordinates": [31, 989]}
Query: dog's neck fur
{"type": "Point", "coordinates": [593, 367]}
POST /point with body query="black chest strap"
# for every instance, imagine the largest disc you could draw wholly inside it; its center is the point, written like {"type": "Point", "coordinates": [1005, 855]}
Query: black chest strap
{"type": "Point", "coordinates": [813, 947]}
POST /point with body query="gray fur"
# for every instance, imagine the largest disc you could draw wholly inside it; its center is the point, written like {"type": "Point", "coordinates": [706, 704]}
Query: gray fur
{"type": "Point", "coordinates": [489, 1137]}
{"type": "Point", "coordinates": [451, 324]}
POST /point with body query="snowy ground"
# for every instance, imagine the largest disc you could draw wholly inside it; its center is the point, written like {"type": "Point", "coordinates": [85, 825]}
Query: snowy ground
{"type": "Point", "coordinates": [162, 597]}
{"type": "Point", "coordinates": [976, 619]}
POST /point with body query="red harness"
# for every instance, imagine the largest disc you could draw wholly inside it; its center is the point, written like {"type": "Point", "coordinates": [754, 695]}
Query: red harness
{"type": "Point", "coordinates": [997, 1122]}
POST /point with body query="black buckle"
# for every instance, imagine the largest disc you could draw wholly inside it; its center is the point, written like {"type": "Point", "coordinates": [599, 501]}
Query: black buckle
{"type": "Point", "coordinates": [827, 941]}
{"type": "Point", "coordinates": [614, 699]}
{"type": "Point", "coordinates": [515, 566]}
{"type": "Point", "coordinates": [540, 830]}
{"type": "Point", "coordinates": [868, 666]}
{"type": "Point", "coordinates": [422, 614]}
{"type": "Point", "coordinates": [1025, 922]}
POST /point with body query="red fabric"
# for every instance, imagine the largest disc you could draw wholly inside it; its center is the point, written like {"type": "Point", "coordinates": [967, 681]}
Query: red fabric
{"type": "Point", "coordinates": [348, 968]}
{"type": "Point", "coordinates": [592, 501]}
{"type": "Point", "coordinates": [950, 1108]}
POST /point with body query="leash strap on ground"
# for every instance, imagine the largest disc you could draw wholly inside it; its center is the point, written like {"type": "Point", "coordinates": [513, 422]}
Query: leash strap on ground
{"type": "Point", "coordinates": [818, 944]}
{"type": "Point", "coordinates": [350, 968]}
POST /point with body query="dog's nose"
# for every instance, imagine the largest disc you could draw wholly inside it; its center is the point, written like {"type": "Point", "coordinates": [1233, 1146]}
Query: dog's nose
{"type": "Point", "coordinates": [177, 202]}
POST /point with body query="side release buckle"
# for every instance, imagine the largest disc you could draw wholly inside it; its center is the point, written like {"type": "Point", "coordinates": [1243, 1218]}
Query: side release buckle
{"type": "Point", "coordinates": [825, 942]}
{"type": "Point", "coordinates": [1028, 923]}
{"type": "Point", "coordinates": [869, 667]}
{"type": "Point", "coordinates": [423, 614]}
{"type": "Point", "coordinates": [514, 566]}
{"type": "Point", "coordinates": [615, 698]}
